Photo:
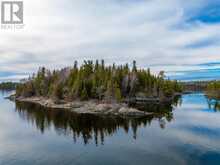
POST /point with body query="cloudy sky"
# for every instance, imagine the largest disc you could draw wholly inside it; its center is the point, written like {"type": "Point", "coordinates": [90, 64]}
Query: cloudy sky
{"type": "Point", "coordinates": [179, 36]}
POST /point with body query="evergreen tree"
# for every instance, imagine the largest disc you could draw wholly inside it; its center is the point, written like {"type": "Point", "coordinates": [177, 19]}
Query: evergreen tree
{"type": "Point", "coordinates": [134, 68]}
{"type": "Point", "coordinates": [84, 94]}
{"type": "Point", "coordinates": [97, 81]}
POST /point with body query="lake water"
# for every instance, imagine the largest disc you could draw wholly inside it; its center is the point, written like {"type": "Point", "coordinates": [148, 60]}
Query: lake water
{"type": "Point", "coordinates": [188, 134]}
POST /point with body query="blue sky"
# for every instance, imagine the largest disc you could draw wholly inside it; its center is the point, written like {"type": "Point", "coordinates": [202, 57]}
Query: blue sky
{"type": "Point", "coordinates": [178, 36]}
{"type": "Point", "coordinates": [209, 73]}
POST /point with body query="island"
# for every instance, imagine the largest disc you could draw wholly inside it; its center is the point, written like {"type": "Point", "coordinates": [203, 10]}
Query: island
{"type": "Point", "coordinates": [96, 88]}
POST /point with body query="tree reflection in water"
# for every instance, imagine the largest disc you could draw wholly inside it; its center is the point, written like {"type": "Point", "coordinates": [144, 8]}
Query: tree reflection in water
{"type": "Point", "coordinates": [213, 104]}
{"type": "Point", "coordinates": [87, 127]}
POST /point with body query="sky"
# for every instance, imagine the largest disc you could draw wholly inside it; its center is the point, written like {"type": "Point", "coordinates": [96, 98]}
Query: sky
{"type": "Point", "coordinates": [178, 36]}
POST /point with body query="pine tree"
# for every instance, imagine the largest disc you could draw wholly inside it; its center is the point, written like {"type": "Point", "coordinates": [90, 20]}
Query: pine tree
{"type": "Point", "coordinates": [84, 94]}
{"type": "Point", "coordinates": [134, 68]}
{"type": "Point", "coordinates": [117, 92]}
{"type": "Point", "coordinates": [97, 81]}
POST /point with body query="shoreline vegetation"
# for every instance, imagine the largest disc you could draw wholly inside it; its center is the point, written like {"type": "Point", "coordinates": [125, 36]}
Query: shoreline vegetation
{"type": "Point", "coordinates": [97, 88]}
{"type": "Point", "coordinates": [213, 90]}
{"type": "Point", "coordinates": [212, 93]}
{"type": "Point", "coordinates": [8, 86]}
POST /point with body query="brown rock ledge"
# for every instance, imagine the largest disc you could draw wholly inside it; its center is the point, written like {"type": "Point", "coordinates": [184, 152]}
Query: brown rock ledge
{"type": "Point", "coordinates": [87, 107]}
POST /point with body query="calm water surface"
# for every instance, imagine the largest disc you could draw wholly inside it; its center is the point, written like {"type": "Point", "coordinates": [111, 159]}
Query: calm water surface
{"type": "Point", "coordinates": [188, 134]}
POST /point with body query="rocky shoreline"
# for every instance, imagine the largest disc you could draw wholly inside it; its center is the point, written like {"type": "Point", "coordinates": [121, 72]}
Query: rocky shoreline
{"type": "Point", "coordinates": [86, 107]}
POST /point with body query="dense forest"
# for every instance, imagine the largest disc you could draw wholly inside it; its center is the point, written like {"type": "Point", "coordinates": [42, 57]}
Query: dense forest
{"type": "Point", "coordinates": [8, 85]}
{"type": "Point", "coordinates": [98, 81]}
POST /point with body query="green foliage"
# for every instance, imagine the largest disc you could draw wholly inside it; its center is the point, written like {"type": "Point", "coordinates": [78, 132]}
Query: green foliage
{"type": "Point", "coordinates": [213, 89]}
{"type": "Point", "coordinates": [25, 90]}
{"type": "Point", "coordinates": [58, 91]}
{"type": "Point", "coordinates": [97, 81]}
{"type": "Point", "coordinates": [84, 94]}
{"type": "Point", "coordinates": [8, 85]}
{"type": "Point", "coordinates": [118, 95]}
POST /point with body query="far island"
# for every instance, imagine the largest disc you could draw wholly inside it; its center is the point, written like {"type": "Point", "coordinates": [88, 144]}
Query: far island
{"type": "Point", "coordinates": [96, 88]}
{"type": "Point", "coordinates": [8, 86]}
{"type": "Point", "coordinates": [213, 90]}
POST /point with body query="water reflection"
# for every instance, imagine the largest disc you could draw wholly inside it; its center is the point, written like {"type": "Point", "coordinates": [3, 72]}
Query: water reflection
{"type": "Point", "coordinates": [192, 138]}
{"type": "Point", "coordinates": [213, 104]}
{"type": "Point", "coordinates": [87, 127]}
{"type": "Point", "coordinates": [4, 93]}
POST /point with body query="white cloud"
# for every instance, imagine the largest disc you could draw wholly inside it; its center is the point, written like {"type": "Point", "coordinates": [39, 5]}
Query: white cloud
{"type": "Point", "coordinates": [150, 31]}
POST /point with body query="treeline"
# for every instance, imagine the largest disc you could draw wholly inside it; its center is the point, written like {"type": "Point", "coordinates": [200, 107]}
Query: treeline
{"type": "Point", "coordinates": [97, 81]}
{"type": "Point", "coordinates": [195, 86]}
{"type": "Point", "coordinates": [213, 90]}
{"type": "Point", "coordinates": [8, 85]}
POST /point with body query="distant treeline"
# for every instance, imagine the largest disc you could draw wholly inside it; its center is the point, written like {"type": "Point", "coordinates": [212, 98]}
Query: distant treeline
{"type": "Point", "coordinates": [211, 88]}
{"type": "Point", "coordinates": [8, 85]}
{"type": "Point", "coordinates": [195, 86]}
{"type": "Point", "coordinates": [97, 81]}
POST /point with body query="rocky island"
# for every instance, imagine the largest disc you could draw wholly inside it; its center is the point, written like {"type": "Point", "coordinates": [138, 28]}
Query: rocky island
{"type": "Point", "coordinates": [95, 88]}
